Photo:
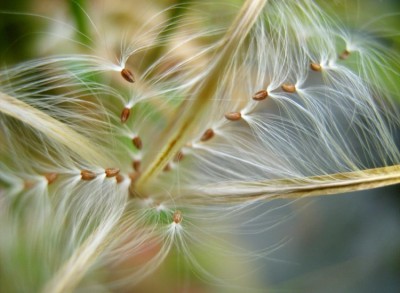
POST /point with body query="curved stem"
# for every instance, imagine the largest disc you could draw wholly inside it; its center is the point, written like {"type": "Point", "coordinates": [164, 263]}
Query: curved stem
{"type": "Point", "coordinates": [305, 187]}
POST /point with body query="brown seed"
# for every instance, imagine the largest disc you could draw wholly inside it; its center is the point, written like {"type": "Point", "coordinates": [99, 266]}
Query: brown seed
{"type": "Point", "coordinates": [87, 175]}
{"type": "Point", "coordinates": [260, 95]}
{"type": "Point", "coordinates": [207, 135]}
{"type": "Point", "coordinates": [128, 75]}
{"type": "Point", "coordinates": [126, 112]}
{"type": "Point", "coordinates": [136, 165]}
{"type": "Point", "coordinates": [344, 55]}
{"type": "Point", "coordinates": [119, 178]}
{"type": "Point", "coordinates": [177, 217]}
{"type": "Point", "coordinates": [167, 168]}
{"type": "Point", "coordinates": [315, 67]}
{"type": "Point", "coordinates": [179, 156]}
{"type": "Point", "coordinates": [289, 88]}
{"type": "Point", "coordinates": [233, 116]}
{"type": "Point", "coordinates": [50, 177]}
{"type": "Point", "coordinates": [111, 172]}
{"type": "Point", "coordinates": [137, 142]}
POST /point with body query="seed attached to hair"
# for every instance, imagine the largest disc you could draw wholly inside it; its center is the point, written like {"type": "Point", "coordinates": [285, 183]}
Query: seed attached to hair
{"type": "Point", "coordinates": [179, 156]}
{"type": "Point", "coordinates": [119, 178]}
{"type": "Point", "coordinates": [128, 75]}
{"type": "Point", "coordinates": [137, 142]}
{"type": "Point", "coordinates": [207, 135]}
{"type": "Point", "coordinates": [289, 88]}
{"type": "Point", "coordinates": [233, 116]}
{"type": "Point", "coordinates": [126, 112]}
{"type": "Point", "coordinates": [111, 172]}
{"type": "Point", "coordinates": [136, 165]}
{"type": "Point", "coordinates": [50, 177]}
{"type": "Point", "coordinates": [260, 95]}
{"type": "Point", "coordinates": [87, 175]}
{"type": "Point", "coordinates": [315, 67]}
{"type": "Point", "coordinates": [344, 55]}
{"type": "Point", "coordinates": [167, 168]}
{"type": "Point", "coordinates": [177, 217]}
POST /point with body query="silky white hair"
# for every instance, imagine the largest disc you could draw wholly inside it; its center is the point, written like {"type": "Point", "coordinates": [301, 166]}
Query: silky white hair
{"type": "Point", "coordinates": [96, 171]}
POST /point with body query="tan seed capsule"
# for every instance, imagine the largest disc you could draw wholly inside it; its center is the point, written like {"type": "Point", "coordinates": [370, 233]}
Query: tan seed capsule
{"type": "Point", "coordinates": [136, 165]}
{"type": "Point", "coordinates": [344, 55]}
{"type": "Point", "coordinates": [87, 175]}
{"type": "Point", "coordinates": [179, 156]}
{"type": "Point", "coordinates": [167, 168]}
{"type": "Point", "coordinates": [207, 135]}
{"type": "Point", "coordinates": [126, 112]}
{"type": "Point", "coordinates": [50, 177]}
{"type": "Point", "coordinates": [177, 217]}
{"type": "Point", "coordinates": [260, 95]}
{"type": "Point", "coordinates": [233, 116]}
{"type": "Point", "coordinates": [137, 142]}
{"type": "Point", "coordinates": [315, 67]}
{"type": "Point", "coordinates": [111, 172]}
{"type": "Point", "coordinates": [119, 178]}
{"type": "Point", "coordinates": [128, 75]}
{"type": "Point", "coordinates": [289, 88]}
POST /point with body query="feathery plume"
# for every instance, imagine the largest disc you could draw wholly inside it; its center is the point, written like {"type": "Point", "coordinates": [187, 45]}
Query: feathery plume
{"type": "Point", "coordinates": [263, 107]}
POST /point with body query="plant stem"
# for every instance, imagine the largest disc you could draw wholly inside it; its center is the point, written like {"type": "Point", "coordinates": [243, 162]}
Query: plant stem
{"type": "Point", "coordinates": [307, 187]}
{"type": "Point", "coordinates": [193, 110]}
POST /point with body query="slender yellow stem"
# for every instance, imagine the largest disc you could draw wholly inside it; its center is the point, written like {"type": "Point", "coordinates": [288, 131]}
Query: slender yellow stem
{"type": "Point", "coordinates": [306, 187]}
{"type": "Point", "coordinates": [345, 182]}
{"type": "Point", "coordinates": [193, 110]}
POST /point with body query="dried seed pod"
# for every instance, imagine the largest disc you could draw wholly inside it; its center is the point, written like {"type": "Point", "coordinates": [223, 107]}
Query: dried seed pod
{"type": "Point", "coordinates": [289, 88]}
{"type": "Point", "coordinates": [111, 172]}
{"type": "Point", "coordinates": [87, 175]}
{"type": "Point", "coordinates": [315, 67]}
{"type": "Point", "coordinates": [136, 165]}
{"type": "Point", "coordinates": [50, 177]}
{"type": "Point", "coordinates": [207, 135]}
{"type": "Point", "coordinates": [137, 142]}
{"type": "Point", "coordinates": [177, 217]}
{"type": "Point", "coordinates": [233, 116]}
{"type": "Point", "coordinates": [344, 55]}
{"type": "Point", "coordinates": [260, 95]}
{"type": "Point", "coordinates": [126, 112]}
{"type": "Point", "coordinates": [128, 75]}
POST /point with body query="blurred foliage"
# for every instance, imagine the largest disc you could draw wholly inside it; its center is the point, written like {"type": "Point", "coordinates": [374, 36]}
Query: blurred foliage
{"type": "Point", "coordinates": [17, 32]}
